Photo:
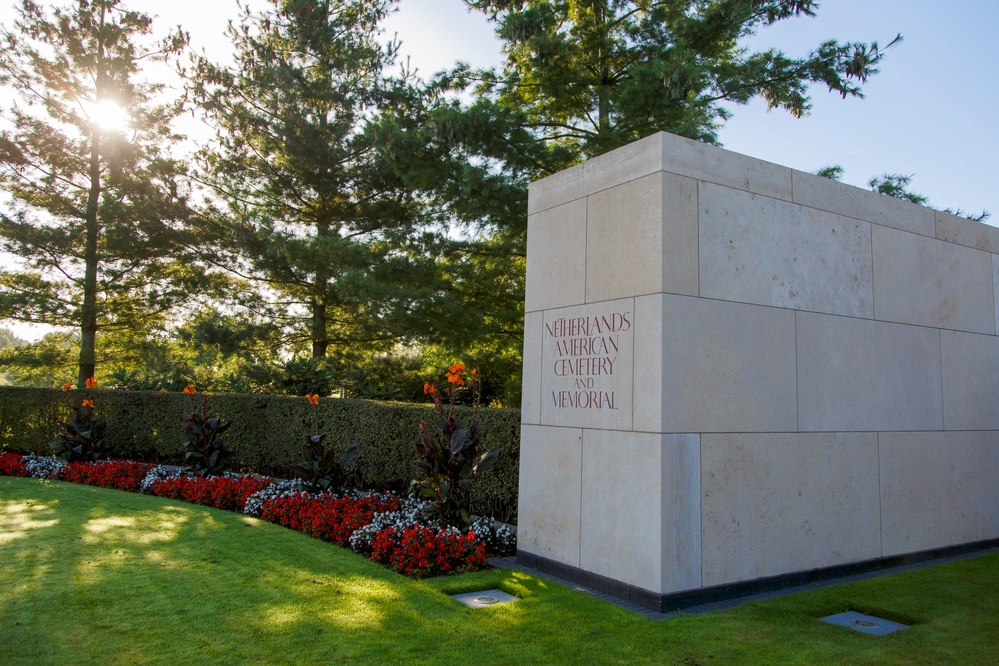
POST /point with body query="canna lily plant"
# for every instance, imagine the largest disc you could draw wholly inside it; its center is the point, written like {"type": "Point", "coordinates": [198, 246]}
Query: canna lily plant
{"type": "Point", "coordinates": [321, 470]}
{"type": "Point", "coordinates": [451, 454]}
{"type": "Point", "coordinates": [84, 436]}
{"type": "Point", "coordinates": [205, 453]}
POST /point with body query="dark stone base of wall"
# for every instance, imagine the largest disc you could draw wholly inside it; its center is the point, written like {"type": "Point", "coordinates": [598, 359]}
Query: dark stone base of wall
{"type": "Point", "coordinates": [665, 603]}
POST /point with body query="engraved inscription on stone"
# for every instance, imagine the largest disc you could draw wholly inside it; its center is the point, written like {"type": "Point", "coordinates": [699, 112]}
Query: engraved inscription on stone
{"type": "Point", "coordinates": [588, 364]}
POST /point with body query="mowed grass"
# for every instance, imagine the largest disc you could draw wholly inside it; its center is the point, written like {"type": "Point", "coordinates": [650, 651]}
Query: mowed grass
{"type": "Point", "coordinates": [92, 576]}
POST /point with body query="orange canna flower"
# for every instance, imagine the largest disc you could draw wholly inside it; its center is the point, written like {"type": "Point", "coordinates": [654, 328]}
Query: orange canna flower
{"type": "Point", "coordinates": [475, 372]}
{"type": "Point", "coordinates": [88, 403]}
{"type": "Point", "coordinates": [189, 389]}
{"type": "Point", "coordinates": [454, 374]}
{"type": "Point", "coordinates": [91, 382]}
{"type": "Point", "coordinates": [313, 398]}
{"type": "Point", "coordinates": [429, 388]}
{"type": "Point", "coordinates": [67, 386]}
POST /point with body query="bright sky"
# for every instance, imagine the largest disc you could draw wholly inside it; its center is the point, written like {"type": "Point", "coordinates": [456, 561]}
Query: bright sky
{"type": "Point", "coordinates": [929, 113]}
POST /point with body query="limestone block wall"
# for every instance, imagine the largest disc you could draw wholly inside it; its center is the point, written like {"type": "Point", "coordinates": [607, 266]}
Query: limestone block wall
{"type": "Point", "coordinates": [734, 370]}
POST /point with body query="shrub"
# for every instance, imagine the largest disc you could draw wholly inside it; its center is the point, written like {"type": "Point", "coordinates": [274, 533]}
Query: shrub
{"type": "Point", "coordinates": [12, 465]}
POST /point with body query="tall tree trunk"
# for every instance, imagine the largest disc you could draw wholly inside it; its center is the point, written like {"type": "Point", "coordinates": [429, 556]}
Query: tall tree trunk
{"type": "Point", "coordinates": [320, 341]}
{"type": "Point", "coordinates": [88, 319]}
{"type": "Point", "coordinates": [603, 87]}
{"type": "Point", "coordinates": [603, 111]}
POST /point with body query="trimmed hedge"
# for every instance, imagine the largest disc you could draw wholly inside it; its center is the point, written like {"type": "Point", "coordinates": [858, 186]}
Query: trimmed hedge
{"type": "Point", "coordinates": [267, 433]}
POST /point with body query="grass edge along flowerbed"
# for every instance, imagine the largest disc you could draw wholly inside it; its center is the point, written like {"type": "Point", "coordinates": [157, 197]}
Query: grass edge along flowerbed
{"type": "Point", "coordinates": [405, 538]}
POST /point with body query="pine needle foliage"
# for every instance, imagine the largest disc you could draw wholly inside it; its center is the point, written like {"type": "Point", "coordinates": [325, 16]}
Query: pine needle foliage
{"type": "Point", "coordinates": [312, 212]}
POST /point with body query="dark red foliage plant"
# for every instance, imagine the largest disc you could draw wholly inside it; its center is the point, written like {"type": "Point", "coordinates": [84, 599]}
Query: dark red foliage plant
{"type": "Point", "coordinates": [451, 455]}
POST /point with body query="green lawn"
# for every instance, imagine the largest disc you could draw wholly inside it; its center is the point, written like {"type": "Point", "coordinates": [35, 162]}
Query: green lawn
{"type": "Point", "coordinates": [99, 576]}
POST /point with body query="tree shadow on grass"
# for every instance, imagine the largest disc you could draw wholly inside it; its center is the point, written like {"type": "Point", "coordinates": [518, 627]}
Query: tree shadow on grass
{"type": "Point", "coordinates": [144, 579]}
{"type": "Point", "coordinates": [99, 573]}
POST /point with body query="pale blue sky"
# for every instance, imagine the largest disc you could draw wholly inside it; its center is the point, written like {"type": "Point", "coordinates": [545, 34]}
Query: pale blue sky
{"type": "Point", "coordinates": [930, 112]}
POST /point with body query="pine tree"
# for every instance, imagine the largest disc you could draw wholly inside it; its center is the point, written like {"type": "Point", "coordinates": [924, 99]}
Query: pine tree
{"type": "Point", "coordinates": [582, 77]}
{"type": "Point", "coordinates": [95, 205]}
{"type": "Point", "coordinates": [593, 75]}
{"type": "Point", "coordinates": [313, 210]}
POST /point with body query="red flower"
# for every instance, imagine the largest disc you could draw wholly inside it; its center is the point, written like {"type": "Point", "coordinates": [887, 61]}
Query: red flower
{"type": "Point", "coordinates": [12, 465]}
{"type": "Point", "coordinates": [420, 552]}
{"type": "Point", "coordinates": [116, 474]}
{"type": "Point", "coordinates": [220, 492]}
{"type": "Point", "coordinates": [328, 518]}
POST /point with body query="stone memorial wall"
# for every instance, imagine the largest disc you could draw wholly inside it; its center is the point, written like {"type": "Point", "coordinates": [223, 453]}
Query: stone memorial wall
{"type": "Point", "coordinates": [735, 372]}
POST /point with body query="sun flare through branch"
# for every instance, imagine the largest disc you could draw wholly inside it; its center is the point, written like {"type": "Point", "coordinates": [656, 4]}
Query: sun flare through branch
{"type": "Point", "coordinates": [108, 115]}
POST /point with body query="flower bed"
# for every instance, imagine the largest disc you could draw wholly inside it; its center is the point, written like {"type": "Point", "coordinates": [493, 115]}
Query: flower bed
{"type": "Point", "coordinates": [222, 492]}
{"type": "Point", "coordinates": [116, 474]}
{"type": "Point", "coordinates": [327, 517]}
{"type": "Point", "coordinates": [419, 551]}
{"type": "Point", "coordinates": [11, 464]}
{"type": "Point", "coordinates": [397, 532]}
